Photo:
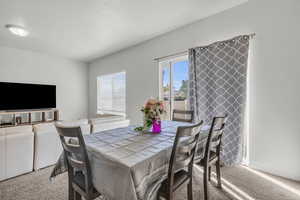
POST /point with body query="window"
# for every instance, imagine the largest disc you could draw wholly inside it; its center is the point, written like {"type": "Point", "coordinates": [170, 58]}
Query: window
{"type": "Point", "coordinates": [111, 94]}
{"type": "Point", "coordinates": [174, 84]}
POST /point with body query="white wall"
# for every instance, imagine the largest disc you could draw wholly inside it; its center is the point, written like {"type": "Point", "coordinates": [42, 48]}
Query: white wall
{"type": "Point", "coordinates": [70, 77]}
{"type": "Point", "coordinates": [274, 81]}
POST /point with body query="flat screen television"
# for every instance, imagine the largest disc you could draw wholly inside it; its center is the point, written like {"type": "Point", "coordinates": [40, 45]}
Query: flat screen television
{"type": "Point", "coordinates": [21, 96]}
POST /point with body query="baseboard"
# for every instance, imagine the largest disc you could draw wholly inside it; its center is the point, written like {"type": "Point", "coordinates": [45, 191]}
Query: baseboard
{"type": "Point", "coordinates": [261, 167]}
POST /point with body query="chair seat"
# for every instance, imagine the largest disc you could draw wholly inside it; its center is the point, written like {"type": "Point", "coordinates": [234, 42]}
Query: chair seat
{"type": "Point", "coordinates": [79, 181]}
{"type": "Point", "coordinates": [180, 178]}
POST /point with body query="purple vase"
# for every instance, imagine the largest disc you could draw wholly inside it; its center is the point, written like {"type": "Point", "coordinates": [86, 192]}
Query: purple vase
{"type": "Point", "coordinates": [156, 126]}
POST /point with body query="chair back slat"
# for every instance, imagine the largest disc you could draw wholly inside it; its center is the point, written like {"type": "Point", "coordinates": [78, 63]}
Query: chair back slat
{"type": "Point", "coordinates": [72, 148]}
{"type": "Point", "coordinates": [181, 119]}
{"type": "Point", "coordinates": [75, 152]}
{"type": "Point", "coordinates": [183, 152]}
{"type": "Point", "coordinates": [187, 149]}
{"type": "Point", "coordinates": [77, 164]}
{"type": "Point", "coordinates": [183, 111]}
{"type": "Point", "coordinates": [67, 131]}
{"type": "Point", "coordinates": [214, 140]}
{"type": "Point", "coordinates": [182, 162]}
{"type": "Point", "coordinates": [183, 131]}
{"type": "Point", "coordinates": [216, 136]}
{"type": "Point", "coordinates": [183, 115]}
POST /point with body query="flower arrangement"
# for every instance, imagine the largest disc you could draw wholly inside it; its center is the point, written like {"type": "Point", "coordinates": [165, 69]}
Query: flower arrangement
{"type": "Point", "coordinates": [152, 110]}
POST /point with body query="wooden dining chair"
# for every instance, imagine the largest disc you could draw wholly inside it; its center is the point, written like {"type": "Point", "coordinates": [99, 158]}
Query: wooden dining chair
{"type": "Point", "coordinates": [212, 153]}
{"type": "Point", "coordinates": [181, 162]}
{"type": "Point", "coordinates": [183, 115]}
{"type": "Point", "coordinates": [79, 170]}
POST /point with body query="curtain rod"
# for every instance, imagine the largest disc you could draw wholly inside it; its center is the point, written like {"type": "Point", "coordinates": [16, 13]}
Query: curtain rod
{"type": "Point", "coordinates": [252, 35]}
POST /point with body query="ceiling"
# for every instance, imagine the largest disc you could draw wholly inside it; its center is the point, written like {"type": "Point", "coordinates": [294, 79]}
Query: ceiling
{"type": "Point", "coordinates": [87, 29]}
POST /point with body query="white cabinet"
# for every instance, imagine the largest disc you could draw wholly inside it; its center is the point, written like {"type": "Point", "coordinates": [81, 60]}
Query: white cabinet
{"type": "Point", "coordinates": [17, 148]}
{"type": "Point", "coordinates": [2, 155]}
{"type": "Point", "coordinates": [47, 145]}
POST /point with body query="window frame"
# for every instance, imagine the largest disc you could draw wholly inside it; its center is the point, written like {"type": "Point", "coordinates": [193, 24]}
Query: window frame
{"type": "Point", "coordinates": [161, 64]}
{"type": "Point", "coordinates": [109, 112]}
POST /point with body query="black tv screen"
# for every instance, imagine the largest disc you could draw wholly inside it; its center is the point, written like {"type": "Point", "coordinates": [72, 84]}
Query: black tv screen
{"type": "Point", "coordinates": [20, 96]}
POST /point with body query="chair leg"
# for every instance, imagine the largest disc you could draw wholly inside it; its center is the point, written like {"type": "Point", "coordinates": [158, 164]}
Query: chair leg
{"type": "Point", "coordinates": [205, 183]}
{"type": "Point", "coordinates": [209, 173]}
{"type": "Point", "coordinates": [218, 170]}
{"type": "Point", "coordinates": [190, 189]}
{"type": "Point", "coordinates": [71, 191]}
{"type": "Point", "coordinates": [77, 195]}
{"type": "Point", "coordinates": [171, 196]}
{"type": "Point", "coordinates": [70, 181]}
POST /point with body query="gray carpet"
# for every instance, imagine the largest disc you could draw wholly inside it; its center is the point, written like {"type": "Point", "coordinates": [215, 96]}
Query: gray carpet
{"type": "Point", "coordinates": [36, 186]}
{"type": "Point", "coordinates": [258, 187]}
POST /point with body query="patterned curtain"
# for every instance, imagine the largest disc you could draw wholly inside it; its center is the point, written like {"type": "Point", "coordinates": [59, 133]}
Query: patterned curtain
{"type": "Point", "coordinates": [218, 78]}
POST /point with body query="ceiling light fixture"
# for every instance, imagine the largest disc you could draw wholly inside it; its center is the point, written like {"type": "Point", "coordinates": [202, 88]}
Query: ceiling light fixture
{"type": "Point", "coordinates": [17, 30]}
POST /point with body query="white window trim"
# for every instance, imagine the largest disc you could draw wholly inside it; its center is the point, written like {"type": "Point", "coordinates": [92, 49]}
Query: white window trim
{"type": "Point", "coordinates": [100, 112]}
{"type": "Point", "coordinates": [170, 60]}
{"type": "Point", "coordinates": [110, 112]}
{"type": "Point", "coordinates": [247, 114]}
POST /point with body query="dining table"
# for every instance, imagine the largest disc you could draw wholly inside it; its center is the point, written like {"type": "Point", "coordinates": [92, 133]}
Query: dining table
{"type": "Point", "coordinates": [130, 165]}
